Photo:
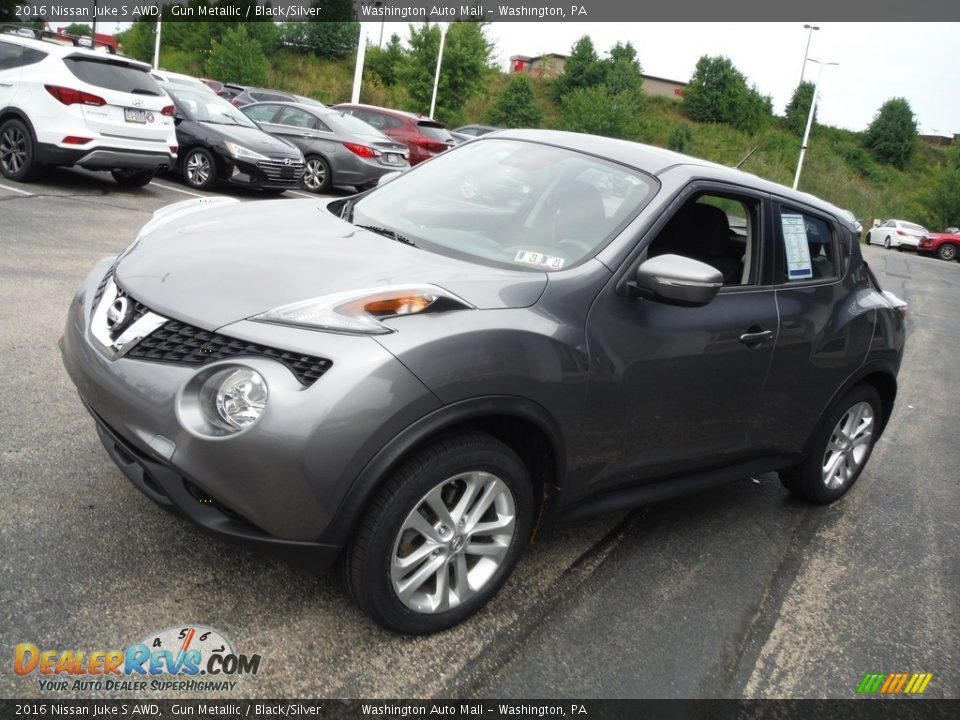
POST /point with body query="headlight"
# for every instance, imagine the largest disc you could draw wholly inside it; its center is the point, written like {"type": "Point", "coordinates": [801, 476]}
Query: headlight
{"type": "Point", "coordinates": [241, 153]}
{"type": "Point", "coordinates": [238, 397]}
{"type": "Point", "coordinates": [360, 311]}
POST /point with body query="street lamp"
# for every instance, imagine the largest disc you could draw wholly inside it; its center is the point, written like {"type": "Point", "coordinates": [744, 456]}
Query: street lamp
{"type": "Point", "coordinates": [806, 132]}
{"type": "Point", "coordinates": [810, 29]}
{"type": "Point", "coordinates": [436, 77]}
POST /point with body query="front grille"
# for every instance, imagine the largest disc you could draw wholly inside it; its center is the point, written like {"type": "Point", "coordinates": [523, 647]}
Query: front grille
{"type": "Point", "coordinates": [177, 342]}
{"type": "Point", "coordinates": [277, 170]}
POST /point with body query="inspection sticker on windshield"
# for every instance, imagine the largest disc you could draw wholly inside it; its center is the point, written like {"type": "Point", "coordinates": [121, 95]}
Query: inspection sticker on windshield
{"type": "Point", "coordinates": [798, 251]}
{"type": "Point", "coordinates": [539, 259]}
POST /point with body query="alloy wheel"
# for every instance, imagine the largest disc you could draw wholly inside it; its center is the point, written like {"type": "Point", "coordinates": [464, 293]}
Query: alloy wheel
{"type": "Point", "coordinates": [198, 169]}
{"type": "Point", "coordinates": [848, 446]}
{"type": "Point", "coordinates": [453, 542]}
{"type": "Point", "coordinates": [13, 150]}
{"type": "Point", "coordinates": [947, 251]}
{"type": "Point", "coordinates": [315, 175]}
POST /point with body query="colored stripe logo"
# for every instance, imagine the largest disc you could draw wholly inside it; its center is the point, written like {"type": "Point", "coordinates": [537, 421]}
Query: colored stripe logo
{"type": "Point", "coordinates": [894, 683]}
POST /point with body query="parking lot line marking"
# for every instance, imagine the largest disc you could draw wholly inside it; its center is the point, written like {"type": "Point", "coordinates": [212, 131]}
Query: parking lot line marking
{"type": "Point", "coordinates": [179, 190]}
{"type": "Point", "coordinates": [300, 194]}
{"type": "Point", "coordinates": [16, 190]}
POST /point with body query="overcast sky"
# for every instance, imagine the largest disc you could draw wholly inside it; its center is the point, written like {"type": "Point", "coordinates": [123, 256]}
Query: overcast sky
{"type": "Point", "coordinates": [918, 61]}
{"type": "Point", "coordinates": [878, 61]}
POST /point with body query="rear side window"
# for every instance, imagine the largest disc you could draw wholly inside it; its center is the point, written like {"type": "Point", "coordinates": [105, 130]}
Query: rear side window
{"type": "Point", "coordinates": [113, 75]}
{"type": "Point", "coordinates": [434, 131]}
{"type": "Point", "coordinates": [810, 248]}
{"type": "Point", "coordinates": [29, 56]}
{"type": "Point", "coordinates": [9, 56]}
{"type": "Point", "coordinates": [263, 96]}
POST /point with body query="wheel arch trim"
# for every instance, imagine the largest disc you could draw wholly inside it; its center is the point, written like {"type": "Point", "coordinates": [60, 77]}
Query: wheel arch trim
{"type": "Point", "coordinates": [377, 469]}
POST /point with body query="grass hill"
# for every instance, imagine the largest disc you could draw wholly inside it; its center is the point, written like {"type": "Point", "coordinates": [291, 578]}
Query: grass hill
{"type": "Point", "coordinates": [837, 168]}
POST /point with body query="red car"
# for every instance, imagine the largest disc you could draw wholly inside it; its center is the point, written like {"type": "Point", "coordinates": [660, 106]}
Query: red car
{"type": "Point", "coordinates": [424, 136]}
{"type": "Point", "coordinates": [945, 246]}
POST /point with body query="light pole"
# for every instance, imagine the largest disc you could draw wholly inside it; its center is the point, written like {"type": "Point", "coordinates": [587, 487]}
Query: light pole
{"type": "Point", "coordinates": [436, 76]}
{"type": "Point", "coordinates": [358, 68]}
{"type": "Point", "coordinates": [806, 132]}
{"type": "Point", "coordinates": [156, 47]}
{"type": "Point", "coordinates": [803, 67]}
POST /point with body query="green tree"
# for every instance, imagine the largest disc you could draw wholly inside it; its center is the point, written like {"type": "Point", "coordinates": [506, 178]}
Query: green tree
{"type": "Point", "coordinates": [892, 136]}
{"type": "Point", "coordinates": [516, 106]}
{"type": "Point", "coordinates": [323, 39]}
{"type": "Point", "coordinates": [624, 73]}
{"type": "Point", "coordinates": [138, 40]}
{"type": "Point", "coordinates": [79, 29]}
{"type": "Point", "coordinates": [798, 109]}
{"type": "Point", "coordinates": [718, 92]}
{"type": "Point", "coordinates": [583, 69]}
{"type": "Point", "coordinates": [385, 63]}
{"type": "Point", "coordinates": [238, 58]}
{"type": "Point", "coordinates": [466, 62]}
{"type": "Point", "coordinates": [942, 201]}
{"type": "Point", "coordinates": [597, 111]}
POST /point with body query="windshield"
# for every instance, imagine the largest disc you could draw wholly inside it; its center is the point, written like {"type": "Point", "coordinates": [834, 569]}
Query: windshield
{"type": "Point", "coordinates": [508, 202]}
{"type": "Point", "coordinates": [205, 106]}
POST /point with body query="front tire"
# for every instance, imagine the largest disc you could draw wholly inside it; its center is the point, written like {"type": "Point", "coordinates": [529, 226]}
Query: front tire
{"type": "Point", "coordinates": [947, 252]}
{"type": "Point", "coordinates": [18, 152]}
{"type": "Point", "coordinates": [442, 536]}
{"type": "Point", "coordinates": [842, 445]}
{"type": "Point", "coordinates": [200, 169]}
{"type": "Point", "coordinates": [317, 177]}
{"type": "Point", "coordinates": [132, 178]}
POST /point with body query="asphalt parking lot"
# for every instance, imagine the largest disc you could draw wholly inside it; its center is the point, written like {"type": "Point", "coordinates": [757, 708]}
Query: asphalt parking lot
{"type": "Point", "coordinates": [740, 591]}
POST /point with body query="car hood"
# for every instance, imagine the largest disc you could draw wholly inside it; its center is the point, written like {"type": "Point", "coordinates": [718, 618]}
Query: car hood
{"type": "Point", "coordinates": [213, 262]}
{"type": "Point", "coordinates": [252, 138]}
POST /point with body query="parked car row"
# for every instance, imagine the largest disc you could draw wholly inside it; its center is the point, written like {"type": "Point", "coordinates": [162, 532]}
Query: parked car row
{"type": "Point", "coordinates": [902, 235]}
{"type": "Point", "coordinates": [62, 103]}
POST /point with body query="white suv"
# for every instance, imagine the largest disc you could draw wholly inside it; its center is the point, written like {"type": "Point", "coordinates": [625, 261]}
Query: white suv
{"type": "Point", "coordinates": [67, 105]}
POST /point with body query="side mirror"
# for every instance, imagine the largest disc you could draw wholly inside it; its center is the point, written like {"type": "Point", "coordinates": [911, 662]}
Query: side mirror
{"type": "Point", "coordinates": [677, 280]}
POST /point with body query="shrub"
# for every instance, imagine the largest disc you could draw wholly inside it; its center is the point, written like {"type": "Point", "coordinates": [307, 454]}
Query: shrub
{"type": "Point", "coordinates": [681, 138]}
{"type": "Point", "coordinates": [798, 109]}
{"type": "Point", "coordinates": [595, 110]}
{"type": "Point", "coordinates": [516, 106]}
{"type": "Point", "coordinates": [892, 136]}
{"type": "Point", "coordinates": [238, 58]}
{"type": "Point", "coordinates": [718, 92]}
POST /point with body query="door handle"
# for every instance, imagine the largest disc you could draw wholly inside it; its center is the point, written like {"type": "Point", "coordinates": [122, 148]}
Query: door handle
{"type": "Point", "coordinates": [6, 84]}
{"type": "Point", "coordinates": [756, 336]}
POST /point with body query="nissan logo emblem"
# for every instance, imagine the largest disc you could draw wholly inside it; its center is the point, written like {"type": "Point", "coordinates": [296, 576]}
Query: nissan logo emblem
{"type": "Point", "coordinates": [117, 313]}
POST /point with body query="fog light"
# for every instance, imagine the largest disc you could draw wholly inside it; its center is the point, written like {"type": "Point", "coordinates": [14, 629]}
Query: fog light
{"type": "Point", "coordinates": [241, 397]}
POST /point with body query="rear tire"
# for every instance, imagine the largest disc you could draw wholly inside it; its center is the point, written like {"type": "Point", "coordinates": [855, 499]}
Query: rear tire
{"type": "Point", "coordinates": [886, 243]}
{"type": "Point", "coordinates": [947, 252]}
{"type": "Point", "coordinates": [18, 152]}
{"type": "Point", "coordinates": [317, 177]}
{"type": "Point", "coordinates": [841, 447]}
{"type": "Point", "coordinates": [443, 535]}
{"type": "Point", "coordinates": [132, 178]}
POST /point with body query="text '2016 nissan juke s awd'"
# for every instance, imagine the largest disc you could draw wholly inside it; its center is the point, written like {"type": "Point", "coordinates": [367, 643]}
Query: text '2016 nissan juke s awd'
{"type": "Point", "coordinates": [534, 326]}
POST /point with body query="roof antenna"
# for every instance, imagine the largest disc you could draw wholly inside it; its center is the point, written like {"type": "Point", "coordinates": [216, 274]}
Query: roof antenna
{"type": "Point", "coordinates": [745, 158]}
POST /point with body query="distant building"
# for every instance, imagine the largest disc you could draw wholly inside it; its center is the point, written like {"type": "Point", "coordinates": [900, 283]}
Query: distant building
{"type": "Point", "coordinates": [941, 140]}
{"type": "Point", "coordinates": [551, 65]}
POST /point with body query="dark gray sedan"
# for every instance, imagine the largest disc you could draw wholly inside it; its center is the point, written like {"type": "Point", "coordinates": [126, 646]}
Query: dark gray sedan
{"type": "Point", "coordinates": [413, 383]}
{"type": "Point", "coordinates": [339, 148]}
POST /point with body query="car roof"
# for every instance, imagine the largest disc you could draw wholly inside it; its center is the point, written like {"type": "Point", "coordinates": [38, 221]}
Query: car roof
{"type": "Point", "coordinates": [388, 111]}
{"type": "Point", "coordinates": [52, 46]}
{"type": "Point", "coordinates": [657, 161]}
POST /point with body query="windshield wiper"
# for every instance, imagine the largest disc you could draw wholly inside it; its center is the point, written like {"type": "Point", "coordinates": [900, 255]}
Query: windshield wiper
{"type": "Point", "coordinates": [387, 232]}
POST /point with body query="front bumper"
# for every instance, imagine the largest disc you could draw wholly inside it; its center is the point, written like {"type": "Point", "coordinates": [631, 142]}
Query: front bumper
{"type": "Point", "coordinates": [277, 486]}
{"type": "Point", "coordinates": [245, 173]}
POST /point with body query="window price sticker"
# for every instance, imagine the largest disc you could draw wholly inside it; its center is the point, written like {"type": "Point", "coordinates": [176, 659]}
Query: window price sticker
{"type": "Point", "coordinates": [798, 251]}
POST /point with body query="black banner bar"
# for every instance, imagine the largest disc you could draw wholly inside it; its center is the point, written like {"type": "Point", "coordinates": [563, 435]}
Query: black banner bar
{"type": "Point", "coordinates": [858, 709]}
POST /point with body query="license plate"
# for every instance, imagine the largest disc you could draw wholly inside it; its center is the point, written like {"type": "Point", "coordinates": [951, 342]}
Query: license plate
{"type": "Point", "coordinates": [393, 159]}
{"type": "Point", "coordinates": [286, 172]}
{"type": "Point", "coordinates": [132, 115]}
